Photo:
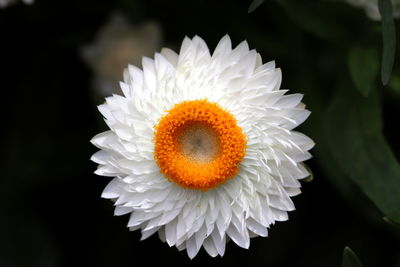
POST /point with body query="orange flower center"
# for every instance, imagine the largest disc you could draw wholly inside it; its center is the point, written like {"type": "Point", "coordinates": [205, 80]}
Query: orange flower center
{"type": "Point", "coordinates": [198, 145]}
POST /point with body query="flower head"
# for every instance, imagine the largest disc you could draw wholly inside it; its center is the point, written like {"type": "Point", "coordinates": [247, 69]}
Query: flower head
{"type": "Point", "coordinates": [202, 147]}
{"type": "Point", "coordinates": [372, 10]}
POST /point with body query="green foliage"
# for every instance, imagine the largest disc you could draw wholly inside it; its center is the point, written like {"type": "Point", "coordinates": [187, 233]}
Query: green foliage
{"type": "Point", "coordinates": [363, 65]}
{"type": "Point", "coordinates": [254, 5]}
{"type": "Point", "coordinates": [350, 259]}
{"type": "Point", "coordinates": [395, 84]}
{"type": "Point", "coordinates": [320, 19]}
{"type": "Point", "coordinates": [354, 130]}
{"type": "Point", "coordinates": [389, 221]}
{"type": "Point", "coordinates": [389, 39]}
{"type": "Point", "coordinates": [310, 177]}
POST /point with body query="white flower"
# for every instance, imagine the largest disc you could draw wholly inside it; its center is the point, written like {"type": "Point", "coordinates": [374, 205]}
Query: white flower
{"type": "Point", "coordinates": [117, 45]}
{"type": "Point", "coordinates": [202, 146]}
{"type": "Point", "coordinates": [372, 10]}
{"type": "Point", "coordinates": [5, 3]}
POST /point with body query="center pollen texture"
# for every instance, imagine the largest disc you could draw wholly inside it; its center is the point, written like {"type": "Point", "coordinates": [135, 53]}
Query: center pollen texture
{"type": "Point", "coordinates": [198, 145]}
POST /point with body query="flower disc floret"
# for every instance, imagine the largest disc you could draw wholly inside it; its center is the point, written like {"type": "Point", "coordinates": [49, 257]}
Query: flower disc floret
{"type": "Point", "coordinates": [181, 137]}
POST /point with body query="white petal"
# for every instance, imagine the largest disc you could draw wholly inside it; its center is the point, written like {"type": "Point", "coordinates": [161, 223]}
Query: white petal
{"type": "Point", "coordinates": [100, 157]}
{"type": "Point", "coordinates": [224, 46]}
{"type": "Point", "coordinates": [241, 238]}
{"type": "Point", "coordinates": [146, 234]}
{"type": "Point", "coordinates": [170, 55]}
{"type": "Point", "coordinates": [113, 189]}
{"type": "Point", "coordinates": [219, 242]}
{"type": "Point", "coordinates": [210, 248]}
{"type": "Point", "coordinates": [200, 236]}
{"type": "Point", "coordinates": [149, 73]}
{"type": "Point", "coordinates": [289, 101]}
{"type": "Point", "coordinates": [120, 210]}
{"type": "Point", "coordinates": [170, 232]}
{"type": "Point", "coordinates": [257, 228]}
{"type": "Point", "coordinates": [126, 89]}
{"type": "Point", "coordinates": [191, 247]}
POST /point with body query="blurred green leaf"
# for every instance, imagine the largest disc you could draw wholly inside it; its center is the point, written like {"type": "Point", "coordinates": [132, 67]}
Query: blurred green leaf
{"type": "Point", "coordinates": [389, 39]}
{"type": "Point", "coordinates": [354, 131]}
{"type": "Point", "coordinates": [318, 18]}
{"type": "Point", "coordinates": [350, 259]}
{"type": "Point", "coordinates": [254, 5]}
{"type": "Point", "coordinates": [389, 221]}
{"type": "Point", "coordinates": [395, 84]}
{"type": "Point", "coordinates": [363, 65]}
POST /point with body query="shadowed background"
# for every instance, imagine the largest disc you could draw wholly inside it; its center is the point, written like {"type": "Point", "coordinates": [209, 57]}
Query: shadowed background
{"type": "Point", "coordinates": [50, 206]}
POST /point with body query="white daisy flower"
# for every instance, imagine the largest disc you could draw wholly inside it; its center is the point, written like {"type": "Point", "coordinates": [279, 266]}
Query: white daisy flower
{"type": "Point", "coordinates": [202, 146]}
{"type": "Point", "coordinates": [5, 3]}
{"type": "Point", "coordinates": [372, 10]}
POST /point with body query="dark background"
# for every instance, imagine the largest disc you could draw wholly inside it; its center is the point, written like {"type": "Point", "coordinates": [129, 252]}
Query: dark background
{"type": "Point", "coordinates": [51, 213]}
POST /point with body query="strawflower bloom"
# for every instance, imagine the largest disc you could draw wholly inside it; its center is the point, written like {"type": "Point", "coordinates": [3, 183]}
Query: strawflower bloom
{"type": "Point", "coordinates": [202, 147]}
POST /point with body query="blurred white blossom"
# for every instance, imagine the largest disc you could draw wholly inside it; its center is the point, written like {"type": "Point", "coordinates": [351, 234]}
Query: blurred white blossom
{"type": "Point", "coordinates": [118, 44]}
{"type": "Point", "coordinates": [5, 3]}
{"type": "Point", "coordinates": [372, 10]}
